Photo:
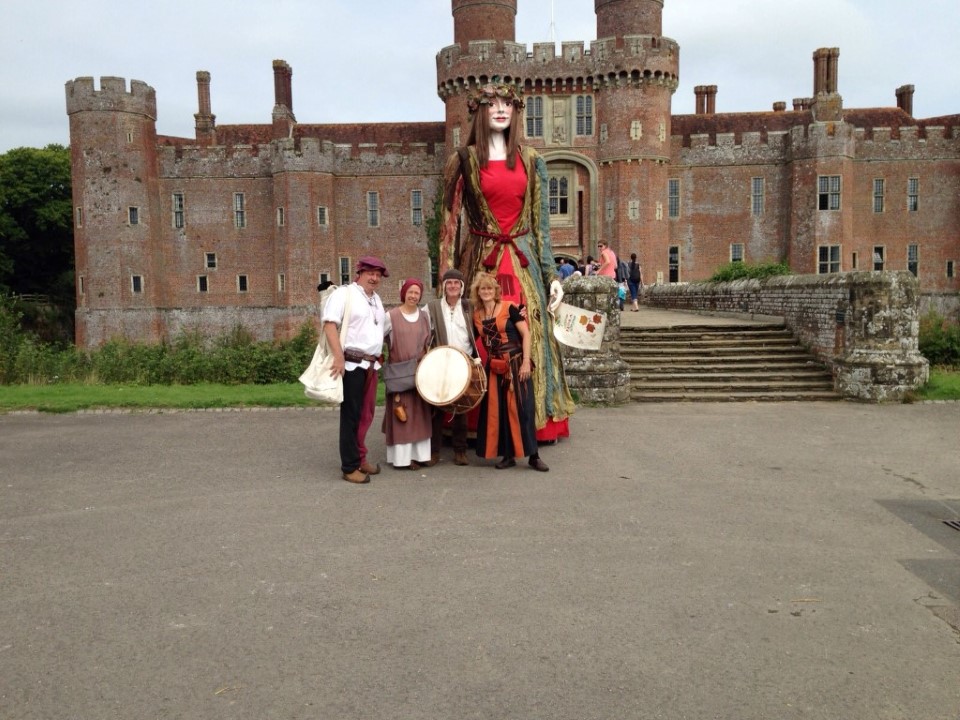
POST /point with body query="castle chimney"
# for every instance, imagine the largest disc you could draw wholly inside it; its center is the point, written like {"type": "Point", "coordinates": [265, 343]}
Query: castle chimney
{"type": "Point", "coordinates": [282, 84]}
{"type": "Point", "coordinates": [825, 71]}
{"type": "Point", "coordinates": [905, 99]}
{"type": "Point", "coordinates": [205, 121]}
{"type": "Point", "coordinates": [700, 102]}
{"type": "Point", "coordinates": [706, 99]}
{"type": "Point", "coordinates": [800, 104]}
{"type": "Point", "coordinates": [780, 106]}
{"type": "Point", "coordinates": [711, 99]}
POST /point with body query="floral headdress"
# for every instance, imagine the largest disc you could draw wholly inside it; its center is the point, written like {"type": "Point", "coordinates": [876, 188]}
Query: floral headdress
{"type": "Point", "coordinates": [495, 89]}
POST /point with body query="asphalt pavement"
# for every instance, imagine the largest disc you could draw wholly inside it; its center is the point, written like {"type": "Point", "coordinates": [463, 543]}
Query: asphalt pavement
{"type": "Point", "coordinates": [742, 561]}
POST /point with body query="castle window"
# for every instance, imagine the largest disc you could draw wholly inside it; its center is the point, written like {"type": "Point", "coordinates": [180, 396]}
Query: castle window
{"type": "Point", "coordinates": [878, 257]}
{"type": "Point", "coordinates": [854, 257]}
{"type": "Point", "coordinates": [913, 194]}
{"type": "Point", "coordinates": [201, 283]}
{"type": "Point", "coordinates": [177, 203]}
{"type": "Point", "coordinates": [828, 259]}
{"type": "Point", "coordinates": [373, 209]}
{"type": "Point", "coordinates": [559, 190]}
{"type": "Point", "coordinates": [241, 283]}
{"type": "Point", "coordinates": [416, 207]}
{"type": "Point", "coordinates": [133, 215]}
{"type": "Point", "coordinates": [949, 272]}
{"type": "Point", "coordinates": [80, 280]}
{"type": "Point", "coordinates": [281, 283]}
{"type": "Point", "coordinates": [535, 117]}
{"type": "Point", "coordinates": [673, 263]}
{"type": "Point", "coordinates": [344, 271]}
{"type": "Point", "coordinates": [136, 283]}
{"type": "Point", "coordinates": [828, 196]}
{"type": "Point", "coordinates": [584, 115]}
{"type": "Point", "coordinates": [757, 195]}
{"type": "Point", "coordinates": [281, 220]}
{"type": "Point", "coordinates": [636, 130]}
{"type": "Point", "coordinates": [878, 193]}
{"type": "Point", "coordinates": [323, 217]}
{"type": "Point", "coordinates": [79, 217]}
{"type": "Point", "coordinates": [239, 210]}
{"type": "Point", "coordinates": [673, 198]}
{"type": "Point", "coordinates": [913, 259]}
{"type": "Point", "coordinates": [736, 252]}
{"type": "Point", "coordinates": [210, 260]}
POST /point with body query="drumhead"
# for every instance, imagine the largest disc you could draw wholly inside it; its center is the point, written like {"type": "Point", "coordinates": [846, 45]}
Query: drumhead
{"type": "Point", "coordinates": [443, 375]}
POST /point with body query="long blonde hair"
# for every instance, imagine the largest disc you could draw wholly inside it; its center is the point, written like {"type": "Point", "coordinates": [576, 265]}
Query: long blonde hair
{"type": "Point", "coordinates": [483, 278]}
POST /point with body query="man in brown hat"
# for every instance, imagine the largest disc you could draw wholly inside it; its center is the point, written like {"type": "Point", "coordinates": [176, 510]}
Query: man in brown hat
{"type": "Point", "coordinates": [358, 361]}
{"type": "Point", "coordinates": [451, 319]}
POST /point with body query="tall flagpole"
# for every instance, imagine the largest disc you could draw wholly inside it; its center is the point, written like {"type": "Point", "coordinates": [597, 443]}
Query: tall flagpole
{"type": "Point", "coordinates": [553, 25]}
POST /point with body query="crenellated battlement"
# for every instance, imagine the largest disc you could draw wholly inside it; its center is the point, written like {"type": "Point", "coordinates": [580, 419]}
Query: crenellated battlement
{"type": "Point", "coordinates": [308, 154]}
{"type": "Point", "coordinates": [640, 59]}
{"type": "Point", "coordinates": [113, 96]}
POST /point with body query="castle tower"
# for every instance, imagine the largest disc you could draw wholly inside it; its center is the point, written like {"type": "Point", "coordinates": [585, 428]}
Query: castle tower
{"type": "Point", "coordinates": [113, 149]}
{"type": "Point", "coordinates": [636, 73]}
{"type": "Point", "coordinates": [484, 34]}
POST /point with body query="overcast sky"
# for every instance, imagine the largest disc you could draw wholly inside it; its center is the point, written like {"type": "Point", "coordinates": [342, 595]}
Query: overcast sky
{"type": "Point", "coordinates": [374, 60]}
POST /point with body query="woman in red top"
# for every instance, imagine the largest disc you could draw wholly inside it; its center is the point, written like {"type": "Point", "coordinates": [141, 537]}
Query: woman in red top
{"type": "Point", "coordinates": [498, 186]}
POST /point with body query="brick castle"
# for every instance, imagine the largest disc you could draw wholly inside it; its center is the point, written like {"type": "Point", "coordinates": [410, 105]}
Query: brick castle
{"type": "Point", "coordinates": [238, 224]}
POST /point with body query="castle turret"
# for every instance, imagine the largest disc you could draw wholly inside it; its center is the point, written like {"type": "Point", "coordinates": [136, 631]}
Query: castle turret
{"type": "Point", "coordinates": [113, 149]}
{"type": "Point", "coordinates": [483, 20]}
{"type": "Point", "coordinates": [637, 72]}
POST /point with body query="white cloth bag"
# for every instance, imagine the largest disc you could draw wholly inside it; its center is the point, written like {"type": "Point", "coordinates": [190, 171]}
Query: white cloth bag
{"type": "Point", "coordinates": [318, 384]}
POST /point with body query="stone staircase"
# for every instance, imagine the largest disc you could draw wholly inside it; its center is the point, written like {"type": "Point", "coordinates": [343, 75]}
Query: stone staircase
{"type": "Point", "coordinates": [734, 362]}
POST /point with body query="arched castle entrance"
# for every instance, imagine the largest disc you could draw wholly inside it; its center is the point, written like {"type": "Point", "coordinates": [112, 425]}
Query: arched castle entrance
{"type": "Point", "coordinates": [572, 188]}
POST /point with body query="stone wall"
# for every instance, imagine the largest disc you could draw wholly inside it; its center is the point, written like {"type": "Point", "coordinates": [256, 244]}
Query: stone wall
{"type": "Point", "coordinates": [599, 377]}
{"type": "Point", "coordinates": [863, 325]}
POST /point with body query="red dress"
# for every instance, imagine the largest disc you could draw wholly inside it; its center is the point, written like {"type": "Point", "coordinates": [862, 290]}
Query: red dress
{"type": "Point", "coordinates": [504, 191]}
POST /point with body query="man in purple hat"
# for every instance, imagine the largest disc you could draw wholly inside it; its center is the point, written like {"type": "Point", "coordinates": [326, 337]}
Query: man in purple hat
{"type": "Point", "coordinates": [358, 361]}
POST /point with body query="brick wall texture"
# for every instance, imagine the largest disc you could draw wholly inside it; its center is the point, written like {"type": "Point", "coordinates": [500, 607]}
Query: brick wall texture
{"type": "Point", "coordinates": [685, 192]}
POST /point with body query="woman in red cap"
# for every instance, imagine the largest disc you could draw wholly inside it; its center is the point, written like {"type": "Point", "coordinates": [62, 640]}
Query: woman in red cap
{"type": "Point", "coordinates": [407, 419]}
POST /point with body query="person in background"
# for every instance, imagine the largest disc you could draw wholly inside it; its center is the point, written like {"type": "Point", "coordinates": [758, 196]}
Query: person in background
{"type": "Point", "coordinates": [565, 269]}
{"type": "Point", "coordinates": [608, 261]}
{"type": "Point", "coordinates": [357, 362]}
{"type": "Point", "coordinates": [407, 417]}
{"type": "Point", "coordinates": [451, 318]}
{"type": "Point", "coordinates": [506, 426]}
{"type": "Point", "coordinates": [501, 189]}
{"type": "Point", "coordinates": [590, 267]}
{"type": "Point", "coordinates": [635, 281]}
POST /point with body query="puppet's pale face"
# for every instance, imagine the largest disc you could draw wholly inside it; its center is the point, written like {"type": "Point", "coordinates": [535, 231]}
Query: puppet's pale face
{"type": "Point", "coordinates": [499, 114]}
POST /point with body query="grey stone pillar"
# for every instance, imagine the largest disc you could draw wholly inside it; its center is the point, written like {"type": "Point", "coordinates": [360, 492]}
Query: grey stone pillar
{"type": "Point", "coordinates": [878, 328]}
{"type": "Point", "coordinates": [598, 377]}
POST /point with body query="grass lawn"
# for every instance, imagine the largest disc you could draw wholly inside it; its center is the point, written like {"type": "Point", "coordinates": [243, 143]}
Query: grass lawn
{"type": "Point", "coordinates": [943, 385]}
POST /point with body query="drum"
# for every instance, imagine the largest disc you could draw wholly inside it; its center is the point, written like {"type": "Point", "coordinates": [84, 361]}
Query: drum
{"type": "Point", "coordinates": [449, 379]}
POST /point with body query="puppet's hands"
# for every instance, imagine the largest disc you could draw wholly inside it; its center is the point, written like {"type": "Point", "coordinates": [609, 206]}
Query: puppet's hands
{"type": "Point", "coordinates": [556, 296]}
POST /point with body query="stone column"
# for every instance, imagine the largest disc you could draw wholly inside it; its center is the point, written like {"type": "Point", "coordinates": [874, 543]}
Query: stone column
{"type": "Point", "coordinates": [878, 329]}
{"type": "Point", "coordinates": [598, 377]}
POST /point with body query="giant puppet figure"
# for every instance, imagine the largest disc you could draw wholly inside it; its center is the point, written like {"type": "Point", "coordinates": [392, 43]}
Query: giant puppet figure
{"type": "Point", "coordinates": [500, 187]}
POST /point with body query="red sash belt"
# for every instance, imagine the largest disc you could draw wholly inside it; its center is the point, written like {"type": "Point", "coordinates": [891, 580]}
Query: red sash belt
{"type": "Point", "coordinates": [490, 260]}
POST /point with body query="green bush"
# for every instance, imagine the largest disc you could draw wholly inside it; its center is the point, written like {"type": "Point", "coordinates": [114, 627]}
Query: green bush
{"type": "Point", "coordinates": [234, 358]}
{"type": "Point", "coordinates": [745, 271]}
{"type": "Point", "coordinates": [939, 340]}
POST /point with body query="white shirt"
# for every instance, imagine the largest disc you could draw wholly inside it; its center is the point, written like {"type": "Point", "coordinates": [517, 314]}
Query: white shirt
{"type": "Point", "coordinates": [365, 327]}
{"type": "Point", "coordinates": [457, 333]}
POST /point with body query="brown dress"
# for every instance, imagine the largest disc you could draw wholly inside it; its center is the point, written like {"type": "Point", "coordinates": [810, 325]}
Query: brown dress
{"type": "Point", "coordinates": [408, 340]}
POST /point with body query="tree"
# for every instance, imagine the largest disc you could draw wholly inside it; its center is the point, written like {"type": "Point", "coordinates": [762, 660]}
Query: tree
{"type": "Point", "coordinates": [36, 223]}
